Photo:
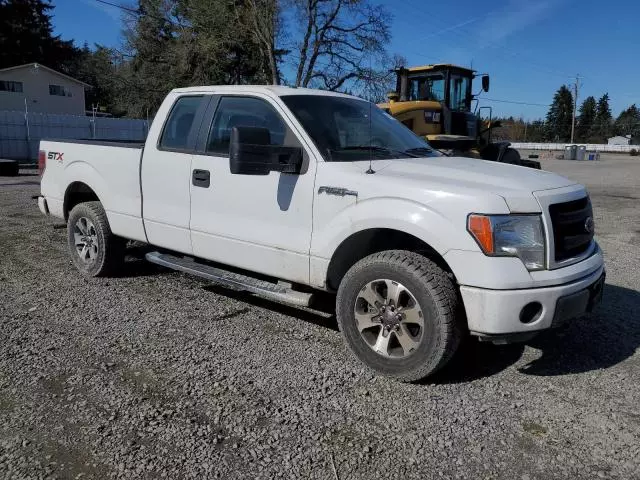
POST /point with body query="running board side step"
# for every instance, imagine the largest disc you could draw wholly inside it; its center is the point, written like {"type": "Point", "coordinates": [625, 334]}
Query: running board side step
{"type": "Point", "coordinates": [281, 292]}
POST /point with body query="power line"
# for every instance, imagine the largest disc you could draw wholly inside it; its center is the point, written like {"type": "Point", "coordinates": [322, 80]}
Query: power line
{"type": "Point", "coordinates": [138, 12]}
{"type": "Point", "coordinates": [121, 7]}
{"type": "Point", "coordinates": [470, 37]}
{"type": "Point", "coordinates": [515, 103]}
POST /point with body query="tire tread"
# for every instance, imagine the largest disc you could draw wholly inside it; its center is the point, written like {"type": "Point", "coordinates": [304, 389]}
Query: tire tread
{"type": "Point", "coordinates": [445, 296]}
{"type": "Point", "coordinates": [114, 246]}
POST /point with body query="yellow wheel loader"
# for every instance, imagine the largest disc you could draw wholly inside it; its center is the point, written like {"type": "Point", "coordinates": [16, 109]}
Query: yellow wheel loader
{"type": "Point", "coordinates": [435, 101]}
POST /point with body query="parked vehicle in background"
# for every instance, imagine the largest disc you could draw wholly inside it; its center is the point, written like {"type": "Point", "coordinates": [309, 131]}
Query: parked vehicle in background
{"type": "Point", "coordinates": [436, 101]}
{"type": "Point", "coordinates": [284, 192]}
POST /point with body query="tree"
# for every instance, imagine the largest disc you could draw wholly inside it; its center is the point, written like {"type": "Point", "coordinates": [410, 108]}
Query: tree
{"type": "Point", "coordinates": [148, 72]}
{"type": "Point", "coordinates": [26, 35]}
{"type": "Point", "coordinates": [536, 131]}
{"type": "Point", "coordinates": [176, 43]}
{"type": "Point", "coordinates": [517, 130]}
{"type": "Point", "coordinates": [218, 39]}
{"type": "Point", "coordinates": [340, 39]}
{"type": "Point", "coordinates": [99, 68]}
{"type": "Point", "coordinates": [586, 118]}
{"type": "Point", "coordinates": [560, 116]}
{"type": "Point", "coordinates": [603, 123]}
{"type": "Point", "coordinates": [628, 122]}
{"type": "Point", "coordinates": [263, 19]}
{"type": "Point", "coordinates": [374, 84]}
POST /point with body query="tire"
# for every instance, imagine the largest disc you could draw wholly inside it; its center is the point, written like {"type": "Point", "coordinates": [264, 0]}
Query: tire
{"type": "Point", "coordinates": [94, 250]}
{"type": "Point", "coordinates": [9, 168]}
{"type": "Point", "coordinates": [511, 156]}
{"type": "Point", "coordinates": [427, 286]}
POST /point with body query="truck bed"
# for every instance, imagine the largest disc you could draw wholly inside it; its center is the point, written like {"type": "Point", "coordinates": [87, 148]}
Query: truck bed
{"type": "Point", "coordinates": [103, 142]}
{"type": "Point", "coordinates": [111, 168]}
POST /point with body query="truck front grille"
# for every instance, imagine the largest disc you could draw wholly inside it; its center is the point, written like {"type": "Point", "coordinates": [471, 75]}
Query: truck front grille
{"type": "Point", "coordinates": [572, 224]}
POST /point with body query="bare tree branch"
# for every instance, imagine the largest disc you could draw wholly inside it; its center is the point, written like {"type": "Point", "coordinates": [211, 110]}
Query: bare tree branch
{"type": "Point", "coordinates": [263, 19]}
{"type": "Point", "coordinates": [339, 38]}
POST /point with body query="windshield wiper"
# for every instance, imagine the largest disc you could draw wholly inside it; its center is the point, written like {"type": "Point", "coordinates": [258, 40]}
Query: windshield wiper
{"type": "Point", "coordinates": [419, 150]}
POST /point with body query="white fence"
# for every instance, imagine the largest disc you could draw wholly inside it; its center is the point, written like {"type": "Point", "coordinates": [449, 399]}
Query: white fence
{"type": "Point", "coordinates": [21, 133]}
{"type": "Point", "coordinates": [591, 147]}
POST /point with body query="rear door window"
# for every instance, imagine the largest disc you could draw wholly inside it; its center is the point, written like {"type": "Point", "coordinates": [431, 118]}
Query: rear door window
{"type": "Point", "coordinates": [180, 123]}
{"type": "Point", "coordinates": [243, 112]}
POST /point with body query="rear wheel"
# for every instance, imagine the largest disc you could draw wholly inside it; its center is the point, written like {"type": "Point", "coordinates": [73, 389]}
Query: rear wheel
{"type": "Point", "coordinates": [398, 312]}
{"type": "Point", "coordinates": [95, 251]}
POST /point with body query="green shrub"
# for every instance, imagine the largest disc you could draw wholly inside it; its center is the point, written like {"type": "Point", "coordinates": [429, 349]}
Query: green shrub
{"type": "Point", "coordinates": [634, 152]}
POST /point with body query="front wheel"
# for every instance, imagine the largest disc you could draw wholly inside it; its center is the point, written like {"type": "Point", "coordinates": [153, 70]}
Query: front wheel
{"type": "Point", "coordinates": [95, 251]}
{"type": "Point", "coordinates": [399, 313]}
{"type": "Point", "coordinates": [511, 156]}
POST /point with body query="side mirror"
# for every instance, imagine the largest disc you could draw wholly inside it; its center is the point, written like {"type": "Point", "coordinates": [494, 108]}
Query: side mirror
{"type": "Point", "coordinates": [251, 153]}
{"type": "Point", "coordinates": [485, 82]}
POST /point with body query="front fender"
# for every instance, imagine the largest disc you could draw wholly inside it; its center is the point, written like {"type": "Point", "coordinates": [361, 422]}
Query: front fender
{"type": "Point", "coordinates": [399, 214]}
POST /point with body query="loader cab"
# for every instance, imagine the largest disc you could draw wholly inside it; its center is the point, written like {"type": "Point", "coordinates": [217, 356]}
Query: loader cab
{"type": "Point", "coordinates": [435, 102]}
{"type": "Point", "coordinates": [449, 85]}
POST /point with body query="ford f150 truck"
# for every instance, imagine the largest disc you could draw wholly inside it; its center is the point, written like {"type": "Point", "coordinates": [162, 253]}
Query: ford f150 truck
{"type": "Point", "coordinates": [283, 192]}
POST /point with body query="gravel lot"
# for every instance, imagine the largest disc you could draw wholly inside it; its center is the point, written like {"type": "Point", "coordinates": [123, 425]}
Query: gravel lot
{"type": "Point", "coordinates": [158, 375]}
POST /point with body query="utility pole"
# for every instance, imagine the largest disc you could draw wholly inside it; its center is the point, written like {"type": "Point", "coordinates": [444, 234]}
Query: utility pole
{"type": "Point", "coordinates": [576, 86]}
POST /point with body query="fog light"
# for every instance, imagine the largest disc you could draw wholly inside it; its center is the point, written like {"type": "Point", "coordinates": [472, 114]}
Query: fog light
{"type": "Point", "coordinates": [531, 312]}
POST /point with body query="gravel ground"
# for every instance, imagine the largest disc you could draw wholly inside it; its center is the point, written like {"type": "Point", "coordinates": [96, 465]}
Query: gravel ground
{"type": "Point", "coordinates": [158, 375]}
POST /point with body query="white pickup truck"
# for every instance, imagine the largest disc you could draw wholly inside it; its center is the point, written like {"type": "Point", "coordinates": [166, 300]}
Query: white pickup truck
{"type": "Point", "coordinates": [284, 192]}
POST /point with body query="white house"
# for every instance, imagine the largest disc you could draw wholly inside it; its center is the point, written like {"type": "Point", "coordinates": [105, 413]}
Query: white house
{"type": "Point", "coordinates": [620, 140]}
{"type": "Point", "coordinates": [44, 90]}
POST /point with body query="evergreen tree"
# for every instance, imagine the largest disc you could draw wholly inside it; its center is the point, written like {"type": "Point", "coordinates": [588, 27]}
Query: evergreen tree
{"type": "Point", "coordinates": [603, 123]}
{"type": "Point", "coordinates": [98, 68]}
{"type": "Point", "coordinates": [560, 116]}
{"type": "Point", "coordinates": [149, 72]}
{"type": "Point", "coordinates": [628, 122]}
{"type": "Point", "coordinates": [586, 117]}
{"type": "Point", "coordinates": [178, 43]}
{"type": "Point", "coordinates": [26, 35]}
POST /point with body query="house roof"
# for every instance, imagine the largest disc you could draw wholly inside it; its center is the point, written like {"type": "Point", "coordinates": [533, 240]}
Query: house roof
{"type": "Point", "coordinates": [39, 65]}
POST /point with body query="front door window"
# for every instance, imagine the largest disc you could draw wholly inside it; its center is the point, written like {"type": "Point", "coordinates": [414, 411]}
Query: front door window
{"type": "Point", "coordinates": [459, 89]}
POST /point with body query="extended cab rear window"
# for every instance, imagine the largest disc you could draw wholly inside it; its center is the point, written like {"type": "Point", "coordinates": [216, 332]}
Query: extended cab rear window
{"type": "Point", "coordinates": [180, 121]}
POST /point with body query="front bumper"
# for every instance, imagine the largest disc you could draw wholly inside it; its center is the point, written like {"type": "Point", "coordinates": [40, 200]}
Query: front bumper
{"type": "Point", "coordinates": [500, 312]}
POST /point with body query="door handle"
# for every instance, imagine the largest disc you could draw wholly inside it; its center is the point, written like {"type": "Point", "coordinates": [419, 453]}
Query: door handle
{"type": "Point", "coordinates": [201, 178]}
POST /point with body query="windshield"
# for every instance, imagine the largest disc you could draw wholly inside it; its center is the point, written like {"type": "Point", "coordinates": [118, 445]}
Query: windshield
{"type": "Point", "coordinates": [427, 88]}
{"type": "Point", "coordinates": [348, 129]}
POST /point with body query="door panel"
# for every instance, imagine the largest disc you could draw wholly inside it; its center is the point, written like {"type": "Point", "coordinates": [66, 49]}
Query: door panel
{"type": "Point", "coordinates": [166, 172]}
{"type": "Point", "coordinates": [262, 223]}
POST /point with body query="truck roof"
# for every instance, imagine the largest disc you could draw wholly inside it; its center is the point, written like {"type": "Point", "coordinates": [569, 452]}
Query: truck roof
{"type": "Point", "coordinates": [278, 90]}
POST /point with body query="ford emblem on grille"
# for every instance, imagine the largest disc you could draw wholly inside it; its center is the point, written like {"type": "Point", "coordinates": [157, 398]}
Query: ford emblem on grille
{"type": "Point", "coordinates": [588, 225]}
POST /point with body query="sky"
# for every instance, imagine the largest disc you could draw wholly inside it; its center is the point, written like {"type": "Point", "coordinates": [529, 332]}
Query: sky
{"type": "Point", "coordinates": [529, 47]}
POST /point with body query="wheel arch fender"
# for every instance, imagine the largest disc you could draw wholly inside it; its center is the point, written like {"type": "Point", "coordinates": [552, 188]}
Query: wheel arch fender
{"type": "Point", "coordinates": [82, 178]}
{"type": "Point", "coordinates": [411, 219]}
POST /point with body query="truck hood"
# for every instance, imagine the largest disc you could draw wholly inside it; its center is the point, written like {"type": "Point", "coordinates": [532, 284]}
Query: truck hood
{"type": "Point", "coordinates": [456, 174]}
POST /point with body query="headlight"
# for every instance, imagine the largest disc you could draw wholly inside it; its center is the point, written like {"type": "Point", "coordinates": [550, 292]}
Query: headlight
{"type": "Point", "coordinates": [519, 236]}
